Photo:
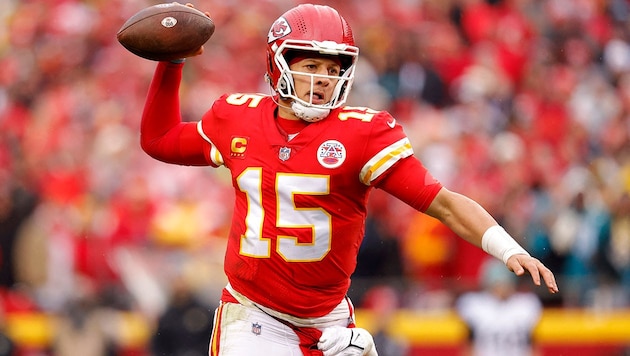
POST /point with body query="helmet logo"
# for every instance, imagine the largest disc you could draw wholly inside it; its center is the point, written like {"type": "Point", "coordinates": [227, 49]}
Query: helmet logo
{"type": "Point", "coordinates": [279, 29]}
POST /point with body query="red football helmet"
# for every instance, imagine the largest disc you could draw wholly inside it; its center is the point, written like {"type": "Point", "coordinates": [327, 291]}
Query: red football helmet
{"type": "Point", "coordinates": [314, 29]}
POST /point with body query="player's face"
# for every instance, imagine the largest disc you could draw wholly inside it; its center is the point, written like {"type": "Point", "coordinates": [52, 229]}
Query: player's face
{"type": "Point", "coordinates": [315, 86]}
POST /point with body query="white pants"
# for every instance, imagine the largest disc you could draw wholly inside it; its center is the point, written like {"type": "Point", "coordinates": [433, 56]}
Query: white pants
{"type": "Point", "coordinates": [245, 329]}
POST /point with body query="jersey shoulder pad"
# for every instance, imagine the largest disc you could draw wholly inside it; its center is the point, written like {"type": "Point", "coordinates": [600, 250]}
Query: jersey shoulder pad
{"type": "Point", "coordinates": [240, 101]}
{"type": "Point", "coordinates": [236, 110]}
{"type": "Point", "coordinates": [360, 114]}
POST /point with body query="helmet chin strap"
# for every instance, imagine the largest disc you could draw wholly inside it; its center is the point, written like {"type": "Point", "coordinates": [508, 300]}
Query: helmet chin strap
{"type": "Point", "coordinates": [309, 114]}
{"type": "Point", "coordinates": [306, 113]}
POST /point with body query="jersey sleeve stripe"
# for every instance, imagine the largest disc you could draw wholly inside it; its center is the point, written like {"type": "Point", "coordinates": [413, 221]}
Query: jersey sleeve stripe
{"type": "Point", "coordinates": [215, 155]}
{"type": "Point", "coordinates": [386, 158]}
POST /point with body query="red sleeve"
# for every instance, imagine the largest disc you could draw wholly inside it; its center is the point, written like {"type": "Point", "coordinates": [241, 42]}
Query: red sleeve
{"type": "Point", "coordinates": [163, 135]}
{"type": "Point", "coordinates": [409, 181]}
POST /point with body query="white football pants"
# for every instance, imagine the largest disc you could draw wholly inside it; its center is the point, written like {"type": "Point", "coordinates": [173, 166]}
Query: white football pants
{"type": "Point", "coordinates": [245, 329]}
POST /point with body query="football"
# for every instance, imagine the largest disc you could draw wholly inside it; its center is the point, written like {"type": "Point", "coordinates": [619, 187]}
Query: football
{"type": "Point", "coordinates": [165, 32]}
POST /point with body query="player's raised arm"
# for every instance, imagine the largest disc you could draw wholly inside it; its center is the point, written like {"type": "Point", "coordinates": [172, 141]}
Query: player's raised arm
{"type": "Point", "coordinates": [163, 135]}
{"type": "Point", "coordinates": [168, 33]}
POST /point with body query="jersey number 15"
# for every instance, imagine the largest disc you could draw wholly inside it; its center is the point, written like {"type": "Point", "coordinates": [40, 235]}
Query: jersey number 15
{"type": "Point", "coordinates": [287, 186]}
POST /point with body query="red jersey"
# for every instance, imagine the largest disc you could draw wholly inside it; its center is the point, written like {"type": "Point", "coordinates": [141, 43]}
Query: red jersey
{"type": "Point", "coordinates": [300, 205]}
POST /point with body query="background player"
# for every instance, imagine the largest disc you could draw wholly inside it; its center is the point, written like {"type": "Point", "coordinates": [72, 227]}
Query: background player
{"type": "Point", "coordinates": [500, 318]}
{"type": "Point", "coordinates": [302, 167]}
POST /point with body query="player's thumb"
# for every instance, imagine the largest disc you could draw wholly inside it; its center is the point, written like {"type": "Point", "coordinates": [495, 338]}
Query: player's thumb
{"type": "Point", "coordinates": [370, 350]}
{"type": "Point", "coordinates": [365, 341]}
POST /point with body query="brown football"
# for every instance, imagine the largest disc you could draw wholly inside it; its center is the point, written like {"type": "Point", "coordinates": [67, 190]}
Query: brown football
{"type": "Point", "coordinates": [165, 32]}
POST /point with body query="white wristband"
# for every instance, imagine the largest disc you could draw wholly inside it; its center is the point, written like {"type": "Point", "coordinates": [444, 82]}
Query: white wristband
{"type": "Point", "coordinates": [498, 243]}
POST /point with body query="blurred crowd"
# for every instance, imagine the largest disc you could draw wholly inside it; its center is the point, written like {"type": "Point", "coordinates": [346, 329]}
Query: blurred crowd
{"type": "Point", "coordinates": [524, 105]}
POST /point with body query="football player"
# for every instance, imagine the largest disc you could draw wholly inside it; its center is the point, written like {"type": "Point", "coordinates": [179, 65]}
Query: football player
{"type": "Point", "coordinates": [302, 166]}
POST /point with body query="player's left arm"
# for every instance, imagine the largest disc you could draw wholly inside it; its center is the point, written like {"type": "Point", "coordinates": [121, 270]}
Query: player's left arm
{"type": "Point", "coordinates": [473, 223]}
{"type": "Point", "coordinates": [410, 182]}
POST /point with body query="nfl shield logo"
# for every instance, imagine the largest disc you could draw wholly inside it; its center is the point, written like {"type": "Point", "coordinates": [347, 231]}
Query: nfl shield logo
{"type": "Point", "coordinates": [284, 154]}
{"type": "Point", "coordinates": [256, 328]}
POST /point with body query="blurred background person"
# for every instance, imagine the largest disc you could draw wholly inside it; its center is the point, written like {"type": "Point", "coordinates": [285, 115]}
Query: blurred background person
{"type": "Point", "coordinates": [383, 301]}
{"type": "Point", "coordinates": [184, 327]}
{"type": "Point", "coordinates": [84, 325]}
{"type": "Point", "coordinates": [500, 318]}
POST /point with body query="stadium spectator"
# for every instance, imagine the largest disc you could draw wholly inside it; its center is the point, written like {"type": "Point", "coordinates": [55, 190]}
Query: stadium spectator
{"type": "Point", "coordinates": [500, 319]}
{"type": "Point", "coordinates": [183, 327]}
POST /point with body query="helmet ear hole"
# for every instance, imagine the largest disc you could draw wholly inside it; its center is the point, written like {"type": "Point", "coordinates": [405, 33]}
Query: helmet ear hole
{"type": "Point", "coordinates": [282, 84]}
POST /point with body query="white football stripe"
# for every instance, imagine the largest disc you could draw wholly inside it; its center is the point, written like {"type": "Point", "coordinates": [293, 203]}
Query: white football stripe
{"type": "Point", "coordinates": [215, 155]}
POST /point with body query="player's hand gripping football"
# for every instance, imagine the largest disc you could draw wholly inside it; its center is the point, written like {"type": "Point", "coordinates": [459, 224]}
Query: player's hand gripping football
{"type": "Point", "coordinates": [521, 263]}
{"type": "Point", "coordinates": [200, 50]}
{"type": "Point", "coordinates": [340, 341]}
